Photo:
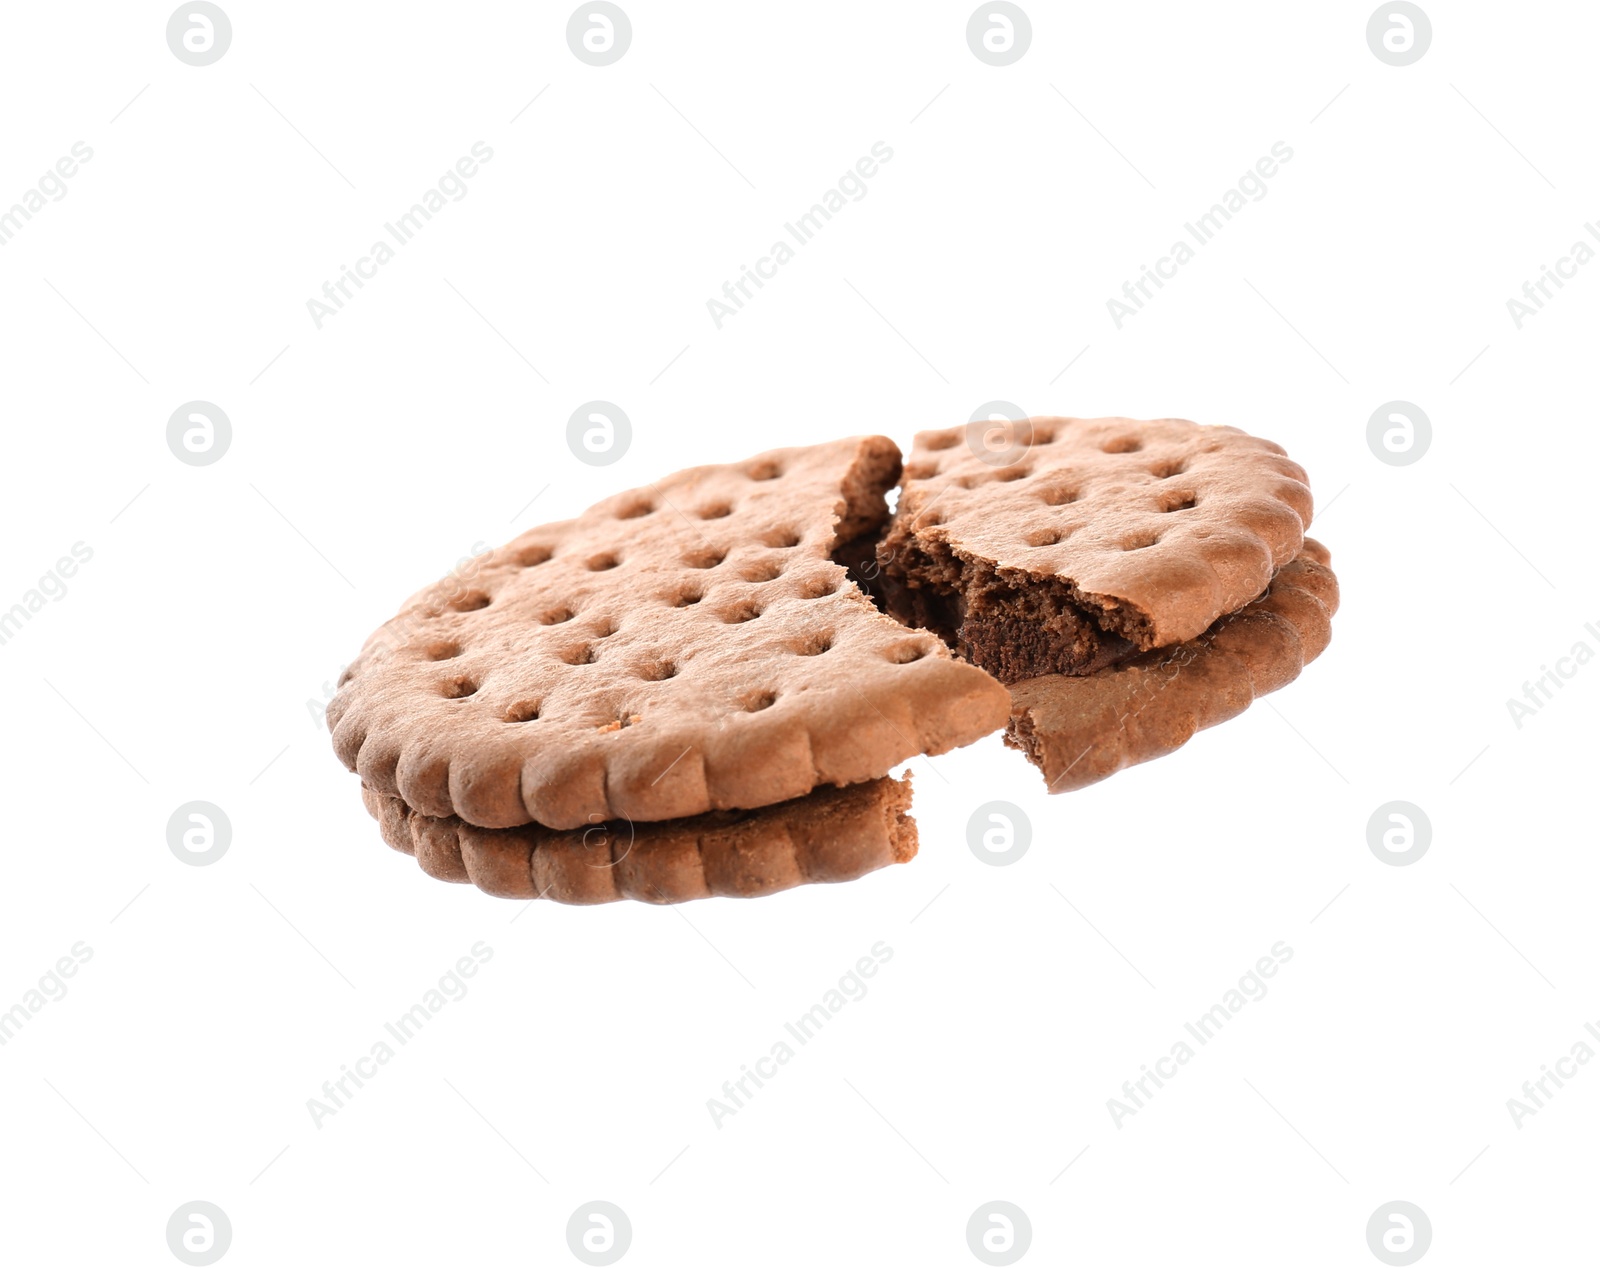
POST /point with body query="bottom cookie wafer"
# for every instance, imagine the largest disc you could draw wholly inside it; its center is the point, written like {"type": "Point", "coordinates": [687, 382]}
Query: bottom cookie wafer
{"type": "Point", "coordinates": [828, 835]}
{"type": "Point", "coordinates": [1079, 730]}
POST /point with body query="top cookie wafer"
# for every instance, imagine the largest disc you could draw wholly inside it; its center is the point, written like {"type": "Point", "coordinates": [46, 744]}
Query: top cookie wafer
{"type": "Point", "coordinates": [1158, 528]}
{"type": "Point", "coordinates": [683, 647]}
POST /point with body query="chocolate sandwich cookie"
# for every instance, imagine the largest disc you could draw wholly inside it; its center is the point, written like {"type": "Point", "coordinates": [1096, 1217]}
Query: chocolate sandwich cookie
{"type": "Point", "coordinates": [1063, 545]}
{"type": "Point", "coordinates": [685, 647]}
{"type": "Point", "coordinates": [700, 687]}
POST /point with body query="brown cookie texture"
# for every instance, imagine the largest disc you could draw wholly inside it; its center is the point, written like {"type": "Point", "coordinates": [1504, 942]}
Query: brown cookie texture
{"type": "Point", "coordinates": [683, 647]}
{"type": "Point", "coordinates": [829, 835]}
{"type": "Point", "coordinates": [1079, 730]}
{"type": "Point", "coordinates": [1063, 545]}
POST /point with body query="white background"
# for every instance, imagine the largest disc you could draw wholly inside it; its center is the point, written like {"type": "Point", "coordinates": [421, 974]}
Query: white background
{"type": "Point", "coordinates": [368, 456]}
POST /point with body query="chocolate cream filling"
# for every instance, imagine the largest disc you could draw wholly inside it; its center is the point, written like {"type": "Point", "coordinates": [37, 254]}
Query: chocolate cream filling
{"type": "Point", "coordinates": [1011, 624]}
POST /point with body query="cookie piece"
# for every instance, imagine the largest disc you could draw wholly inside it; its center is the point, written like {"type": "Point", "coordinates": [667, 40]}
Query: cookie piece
{"type": "Point", "coordinates": [832, 834]}
{"type": "Point", "coordinates": [1078, 730]}
{"type": "Point", "coordinates": [687, 646]}
{"type": "Point", "coordinates": [1062, 545]}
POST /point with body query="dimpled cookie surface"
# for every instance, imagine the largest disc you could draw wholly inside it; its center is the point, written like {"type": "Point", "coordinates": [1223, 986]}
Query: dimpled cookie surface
{"type": "Point", "coordinates": [686, 646]}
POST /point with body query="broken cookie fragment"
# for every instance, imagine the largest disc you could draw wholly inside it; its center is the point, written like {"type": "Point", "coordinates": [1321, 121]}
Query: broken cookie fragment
{"type": "Point", "coordinates": [1079, 729]}
{"type": "Point", "coordinates": [686, 646]}
{"type": "Point", "coordinates": [683, 651]}
{"type": "Point", "coordinates": [1086, 541]}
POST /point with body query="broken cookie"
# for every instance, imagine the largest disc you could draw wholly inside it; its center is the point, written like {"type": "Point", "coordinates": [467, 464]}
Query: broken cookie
{"type": "Point", "coordinates": [1078, 729]}
{"type": "Point", "coordinates": [1076, 542]}
{"type": "Point", "coordinates": [701, 686]}
{"type": "Point", "coordinates": [684, 647]}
